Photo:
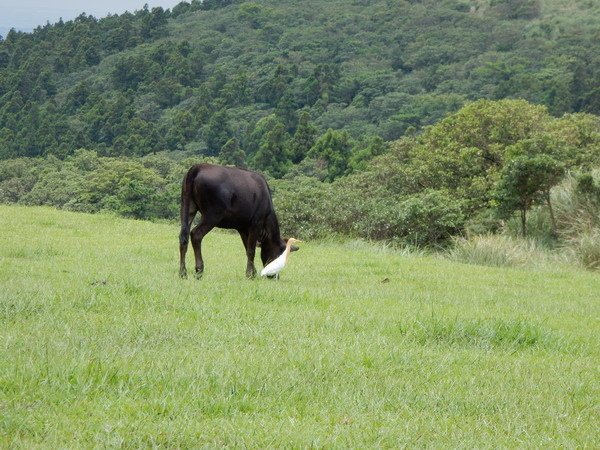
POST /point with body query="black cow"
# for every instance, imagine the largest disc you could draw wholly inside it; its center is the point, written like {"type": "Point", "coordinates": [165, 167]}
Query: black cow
{"type": "Point", "coordinates": [228, 197]}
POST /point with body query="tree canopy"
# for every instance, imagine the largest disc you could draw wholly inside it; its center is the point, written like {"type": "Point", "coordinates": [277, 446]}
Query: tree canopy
{"type": "Point", "coordinates": [191, 78]}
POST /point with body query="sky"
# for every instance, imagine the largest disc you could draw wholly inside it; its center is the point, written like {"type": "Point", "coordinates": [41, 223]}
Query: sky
{"type": "Point", "coordinates": [25, 15]}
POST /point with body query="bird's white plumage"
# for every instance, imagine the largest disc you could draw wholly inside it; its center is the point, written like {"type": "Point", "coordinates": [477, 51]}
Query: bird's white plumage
{"type": "Point", "coordinates": [275, 266]}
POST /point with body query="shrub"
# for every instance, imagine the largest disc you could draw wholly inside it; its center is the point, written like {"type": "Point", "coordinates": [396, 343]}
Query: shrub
{"type": "Point", "coordinates": [299, 206]}
{"type": "Point", "coordinates": [485, 221]}
{"type": "Point", "coordinates": [425, 219]}
{"type": "Point", "coordinates": [55, 188]}
{"type": "Point", "coordinates": [310, 208]}
{"type": "Point", "coordinates": [17, 178]}
{"type": "Point", "coordinates": [431, 217]}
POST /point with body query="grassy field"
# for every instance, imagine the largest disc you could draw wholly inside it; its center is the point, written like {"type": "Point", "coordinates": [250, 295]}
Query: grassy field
{"type": "Point", "coordinates": [101, 344]}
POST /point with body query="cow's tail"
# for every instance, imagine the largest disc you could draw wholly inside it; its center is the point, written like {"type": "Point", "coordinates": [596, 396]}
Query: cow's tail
{"type": "Point", "coordinates": [186, 197]}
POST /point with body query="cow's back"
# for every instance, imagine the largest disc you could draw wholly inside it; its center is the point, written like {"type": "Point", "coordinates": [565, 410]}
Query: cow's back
{"type": "Point", "coordinates": [237, 196]}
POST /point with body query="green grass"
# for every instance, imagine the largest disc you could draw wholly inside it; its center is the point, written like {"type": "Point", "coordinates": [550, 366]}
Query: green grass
{"type": "Point", "coordinates": [102, 345]}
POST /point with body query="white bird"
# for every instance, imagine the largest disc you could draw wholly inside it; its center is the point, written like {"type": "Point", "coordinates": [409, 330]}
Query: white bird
{"type": "Point", "coordinates": [275, 266]}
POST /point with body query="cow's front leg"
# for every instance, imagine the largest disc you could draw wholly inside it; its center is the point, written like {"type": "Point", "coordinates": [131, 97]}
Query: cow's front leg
{"type": "Point", "coordinates": [250, 270]}
{"type": "Point", "coordinates": [250, 252]}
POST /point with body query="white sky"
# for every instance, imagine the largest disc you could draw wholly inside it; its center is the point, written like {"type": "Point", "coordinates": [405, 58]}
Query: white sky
{"type": "Point", "coordinates": [25, 15]}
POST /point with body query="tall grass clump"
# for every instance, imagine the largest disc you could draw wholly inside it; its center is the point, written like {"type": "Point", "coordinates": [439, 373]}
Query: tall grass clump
{"type": "Point", "coordinates": [502, 250]}
{"type": "Point", "coordinates": [586, 247]}
{"type": "Point", "coordinates": [577, 204]}
{"type": "Point", "coordinates": [577, 209]}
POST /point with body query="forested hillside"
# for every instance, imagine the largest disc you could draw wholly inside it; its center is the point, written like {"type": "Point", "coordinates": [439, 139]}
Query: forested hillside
{"type": "Point", "coordinates": [276, 75]}
{"type": "Point", "coordinates": [412, 122]}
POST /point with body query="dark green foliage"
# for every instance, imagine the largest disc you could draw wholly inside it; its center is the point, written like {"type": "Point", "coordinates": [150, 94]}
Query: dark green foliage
{"type": "Point", "coordinates": [217, 132]}
{"type": "Point", "coordinates": [375, 68]}
{"type": "Point", "coordinates": [525, 180]}
{"type": "Point", "coordinates": [489, 157]}
{"type": "Point", "coordinates": [588, 187]}
{"type": "Point", "coordinates": [231, 154]}
{"type": "Point", "coordinates": [333, 149]}
{"type": "Point", "coordinates": [427, 218]}
{"type": "Point", "coordinates": [363, 154]}
{"type": "Point", "coordinates": [516, 9]}
{"type": "Point", "coordinates": [303, 139]}
{"type": "Point", "coordinates": [142, 189]}
{"type": "Point", "coordinates": [312, 209]}
{"type": "Point", "coordinates": [272, 156]}
{"type": "Point", "coordinates": [465, 152]}
{"type": "Point", "coordinates": [154, 23]}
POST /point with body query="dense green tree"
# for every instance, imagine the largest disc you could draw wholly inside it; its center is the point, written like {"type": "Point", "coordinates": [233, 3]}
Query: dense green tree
{"type": "Point", "coordinates": [466, 151]}
{"type": "Point", "coordinates": [217, 132]}
{"type": "Point", "coordinates": [167, 92]}
{"type": "Point", "coordinates": [525, 180]}
{"type": "Point", "coordinates": [251, 13]}
{"type": "Point", "coordinates": [77, 97]}
{"type": "Point", "coordinates": [286, 111]}
{"type": "Point", "coordinates": [333, 148]}
{"type": "Point", "coordinates": [257, 132]}
{"type": "Point", "coordinates": [577, 140]}
{"type": "Point", "coordinates": [272, 156]}
{"type": "Point", "coordinates": [237, 90]}
{"type": "Point", "coordinates": [8, 144]}
{"type": "Point", "coordinates": [232, 154]}
{"type": "Point", "coordinates": [321, 82]}
{"type": "Point", "coordinates": [277, 84]}
{"type": "Point", "coordinates": [516, 9]}
{"type": "Point", "coordinates": [364, 153]}
{"type": "Point", "coordinates": [303, 138]}
{"type": "Point", "coordinates": [153, 23]}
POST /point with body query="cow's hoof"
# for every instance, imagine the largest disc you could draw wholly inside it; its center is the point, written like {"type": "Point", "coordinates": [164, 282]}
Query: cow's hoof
{"type": "Point", "coordinates": [199, 274]}
{"type": "Point", "coordinates": [183, 275]}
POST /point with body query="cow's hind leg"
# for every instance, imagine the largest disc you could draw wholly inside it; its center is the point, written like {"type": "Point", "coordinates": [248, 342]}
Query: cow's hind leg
{"type": "Point", "coordinates": [184, 237]}
{"type": "Point", "coordinates": [198, 234]}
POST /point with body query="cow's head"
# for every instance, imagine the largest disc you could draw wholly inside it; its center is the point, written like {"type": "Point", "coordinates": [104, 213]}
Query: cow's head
{"type": "Point", "coordinates": [270, 249]}
{"type": "Point", "coordinates": [271, 243]}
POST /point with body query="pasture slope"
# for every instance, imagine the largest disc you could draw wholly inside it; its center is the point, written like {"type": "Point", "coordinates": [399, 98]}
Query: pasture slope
{"type": "Point", "coordinates": [101, 344]}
